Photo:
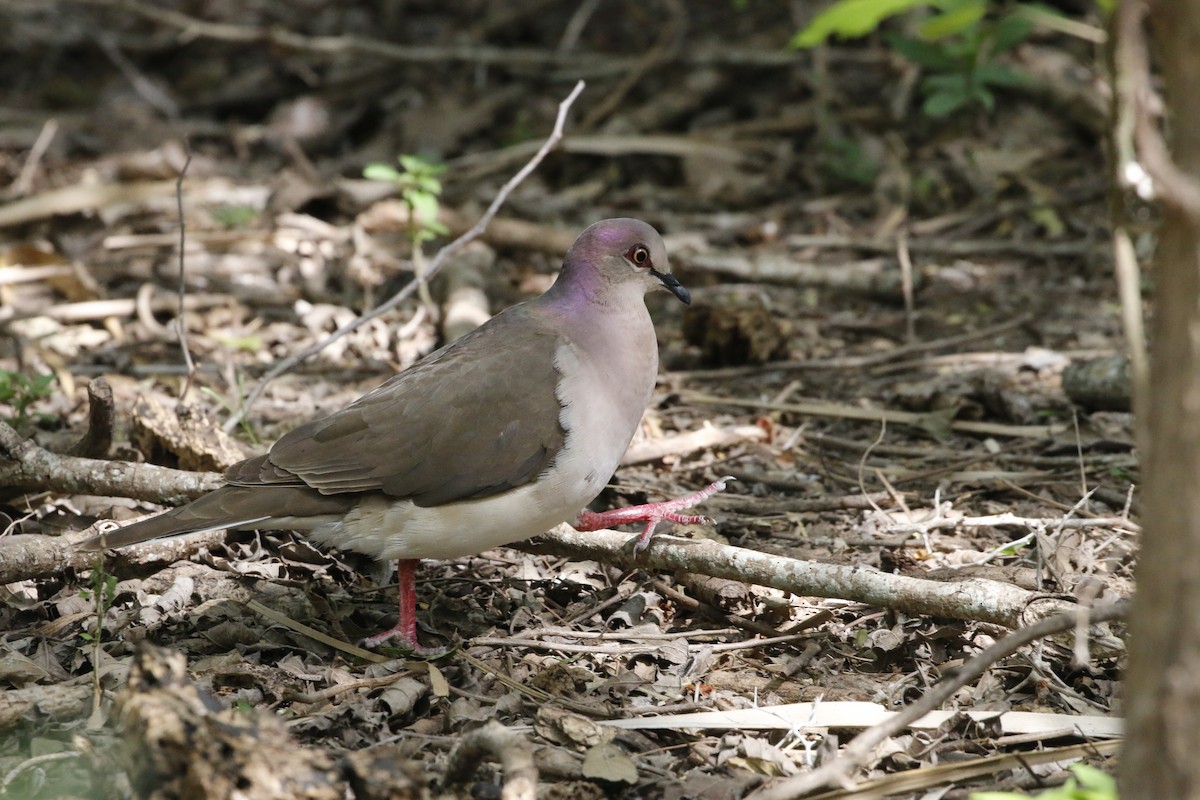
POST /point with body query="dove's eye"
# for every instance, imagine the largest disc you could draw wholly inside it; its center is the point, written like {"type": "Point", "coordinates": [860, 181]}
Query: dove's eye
{"type": "Point", "coordinates": [639, 255]}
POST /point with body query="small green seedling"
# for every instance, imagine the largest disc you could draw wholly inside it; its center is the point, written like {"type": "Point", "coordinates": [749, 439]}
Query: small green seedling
{"type": "Point", "coordinates": [20, 391]}
{"type": "Point", "coordinates": [419, 188]}
{"type": "Point", "coordinates": [958, 47]}
{"type": "Point", "coordinates": [101, 588]}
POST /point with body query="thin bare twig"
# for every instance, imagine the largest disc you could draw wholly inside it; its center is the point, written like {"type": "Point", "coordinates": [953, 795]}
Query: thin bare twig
{"type": "Point", "coordinates": [180, 319]}
{"type": "Point", "coordinates": [858, 752]}
{"type": "Point", "coordinates": [906, 285]}
{"type": "Point", "coordinates": [470, 53]}
{"type": "Point", "coordinates": [575, 26]}
{"type": "Point", "coordinates": [23, 185]}
{"type": "Point", "coordinates": [435, 265]}
{"type": "Point", "coordinates": [147, 89]}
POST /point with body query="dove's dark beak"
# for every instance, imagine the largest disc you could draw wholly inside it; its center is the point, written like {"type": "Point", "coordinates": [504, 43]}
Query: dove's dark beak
{"type": "Point", "coordinates": [673, 286]}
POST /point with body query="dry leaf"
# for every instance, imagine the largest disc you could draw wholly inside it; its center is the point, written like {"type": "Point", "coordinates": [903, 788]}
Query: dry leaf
{"type": "Point", "coordinates": [608, 762]}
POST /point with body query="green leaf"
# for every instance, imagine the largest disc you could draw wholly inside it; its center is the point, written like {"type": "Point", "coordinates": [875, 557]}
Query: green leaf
{"type": "Point", "coordinates": [251, 343]}
{"type": "Point", "coordinates": [947, 82]}
{"type": "Point", "coordinates": [957, 19]}
{"type": "Point", "coordinates": [944, 103]}
{"type": "Point", "coordinates": [924, 54]}
{"type": "Point", "coordinates": [1101, 783]}
{"type": "Point", "coordinates": [934, 56]}
{"type": "Point", "coordinates": [851, 19]}
{"type": "Point", "coordinates": [235, 216]}
{"type": "Point", "coordinates": [380, 172]}
{"type": "Point", "coordinates": [982, 95]}
{"type": "Point", "coordinates": [847, 160]}
{"type": "Point", "coordinates": [430, 184]}
{"type": "Point", "coordinates": [415, 165]}
{"type": "Point", "coordinates": [424, 206]}
{"type": "Point", "coordinates": [1000, 75]}
{"type": "Point", "coordinates": [1010, 31]}
{"type": "Point", "coordinates": [40, 385]}
{"type": "Point", "coordinates": [411, 164]}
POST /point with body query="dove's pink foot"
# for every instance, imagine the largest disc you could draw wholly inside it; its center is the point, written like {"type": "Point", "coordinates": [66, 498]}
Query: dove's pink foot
{"type": "Point", "coordinates": [651, 514]}
{"type": "Point", "coordinates": [406, 626]}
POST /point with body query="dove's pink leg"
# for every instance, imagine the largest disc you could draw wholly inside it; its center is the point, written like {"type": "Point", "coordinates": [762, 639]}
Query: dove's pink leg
{"type": "Point", "coordinates": [406, 625]}
{"type": "Point", "coordinates": [651, 514]}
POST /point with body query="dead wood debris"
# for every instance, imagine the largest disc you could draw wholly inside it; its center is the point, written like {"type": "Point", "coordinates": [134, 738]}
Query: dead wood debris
{"type": "Point", "coordinates": [185, 438]}
{"type": "Point", "coordinates": [179, 743]}
{"type": "Point", "coordinates": [24, 465]}
{"type": "Point", "coordinates": [97, 439]}
{"type": "Point", "coordinates": [1103, 384]}
{"type": "Point", "coordinates": [975, 599]}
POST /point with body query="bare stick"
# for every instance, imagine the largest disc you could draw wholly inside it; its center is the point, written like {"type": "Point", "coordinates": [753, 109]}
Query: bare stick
{"type": "Point", "coordinates": [906, 286]}
{"type": "Point", "coordinates": [101, 413]}
{"type": "Point", "coordinates": [978, 599]}
{"type": "Point", "coordinates": [23, 185]}
{"type": "Point", "coordinates": [434, 266]}
{"type": "Point", "coordinates": [24, 465]}
{"type": "Point", "coordinates": [145, 88]}
{"type": "Point", "coordinates": [180, 319]}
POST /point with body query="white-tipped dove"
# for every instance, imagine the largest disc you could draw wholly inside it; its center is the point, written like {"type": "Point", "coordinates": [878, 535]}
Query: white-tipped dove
{"type": "Point", "coordinates": [497, 437]}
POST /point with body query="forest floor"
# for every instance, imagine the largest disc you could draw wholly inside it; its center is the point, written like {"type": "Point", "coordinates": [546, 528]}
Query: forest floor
{"type": "Point", "coordinates": [884, 306]}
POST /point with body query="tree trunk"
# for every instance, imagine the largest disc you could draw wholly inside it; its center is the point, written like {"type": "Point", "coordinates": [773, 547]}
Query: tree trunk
{"type": "Point", "coordinates": [1163, 682]}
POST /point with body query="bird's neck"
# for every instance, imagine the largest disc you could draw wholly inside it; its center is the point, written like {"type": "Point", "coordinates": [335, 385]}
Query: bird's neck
{"type": "Point", "coordinates": [584, 292]}
{"type": "Point", "coordinates": [609, 321]}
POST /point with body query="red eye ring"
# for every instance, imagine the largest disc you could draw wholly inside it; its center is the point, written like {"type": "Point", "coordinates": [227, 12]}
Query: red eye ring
{"type": "Point", "coordinates": [639, 255]}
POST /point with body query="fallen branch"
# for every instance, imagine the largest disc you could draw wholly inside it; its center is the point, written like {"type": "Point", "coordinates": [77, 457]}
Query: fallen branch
{"type": "Point", "coordinates": [470, 53]}
{"type": "Point", "coordinates": [55, 703]}
{"type": "Point", "coordinates": [88, 310]}
{"type": "Point", "coordinates": [891, 357]}
{"type": "Point", "coordinates": [23, 557]}
{"type": "Point", "coordinates": [975, 599]}
{"type": "Point", "coordinates": [26, 466]}
{"type": "Point", "coordinates": [74, 199]}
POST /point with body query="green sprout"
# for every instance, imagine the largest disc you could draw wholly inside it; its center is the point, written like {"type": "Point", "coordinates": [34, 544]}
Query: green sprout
{"type": "Point", "coordinates": [20, 391]}
{"type": "Point", "coordinates": [958, 47]}
{"type": "Point", "coordinates": [420, 190]}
